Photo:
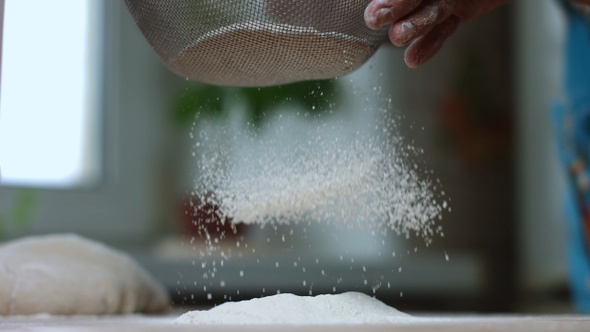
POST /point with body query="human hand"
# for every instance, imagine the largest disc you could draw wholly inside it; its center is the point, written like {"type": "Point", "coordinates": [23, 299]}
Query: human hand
{"type": "Point", "coordinates": [424, 25]}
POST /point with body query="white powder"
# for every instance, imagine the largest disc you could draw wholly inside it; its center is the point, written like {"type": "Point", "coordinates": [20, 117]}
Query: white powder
{"type": "Point", "coordinates": [360, 178]}
{"type": "Point", "coordinates": [365, 181]}
{"type": "Point", "coordinates": [347, 308]}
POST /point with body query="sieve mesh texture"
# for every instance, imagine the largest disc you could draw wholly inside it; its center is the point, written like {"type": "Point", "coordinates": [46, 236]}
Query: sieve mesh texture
{"type": "Point", "coordinates": [257, 42]}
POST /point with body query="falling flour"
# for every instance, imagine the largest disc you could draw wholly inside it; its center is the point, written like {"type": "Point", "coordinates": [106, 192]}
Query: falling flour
{"type": "Point", "coordinates": [365, 179]}
{"type": "Point", "coordinates": [299, 175]}
{"type": "Point", "coordinates": [346, 308]}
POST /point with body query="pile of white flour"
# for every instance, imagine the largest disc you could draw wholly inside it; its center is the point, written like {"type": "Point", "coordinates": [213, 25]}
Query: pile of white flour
{"type": "Point", "coordinates": [347, 308]}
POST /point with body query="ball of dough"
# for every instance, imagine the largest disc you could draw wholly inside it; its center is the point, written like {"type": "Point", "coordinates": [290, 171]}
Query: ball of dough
{"type": "Point", "coordinates": [70, 275]}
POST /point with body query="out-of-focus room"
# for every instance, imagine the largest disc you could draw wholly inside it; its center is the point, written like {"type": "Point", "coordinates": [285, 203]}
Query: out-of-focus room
{"type": "Point", "coordinates": [96, 139]}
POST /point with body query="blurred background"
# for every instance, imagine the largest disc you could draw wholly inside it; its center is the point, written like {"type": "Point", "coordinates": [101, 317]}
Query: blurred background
{"type": "Point", "coordinates": [95, 139]}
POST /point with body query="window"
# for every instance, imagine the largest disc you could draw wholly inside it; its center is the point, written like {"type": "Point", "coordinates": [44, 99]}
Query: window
{"type": "Point", "coordinates": [109, 193]}
{"type": "Point", "coordinates": [48, 100]}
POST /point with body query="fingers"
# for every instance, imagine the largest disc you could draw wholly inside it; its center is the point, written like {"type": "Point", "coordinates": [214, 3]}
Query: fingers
{"type": "Point", "coordinates": [420, 21]}
{"type": "Point", "coordinates": [425, 24]}
{"type": "Point", "coordinates": [383, 12]}
{"type": "Point", "coordinates": [425, 47]}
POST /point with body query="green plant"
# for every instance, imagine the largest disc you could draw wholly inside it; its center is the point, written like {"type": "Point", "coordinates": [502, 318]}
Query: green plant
{"type": "Point", "coordinates": [20, 215]}
{"type": "Point", "coordinates": [210, 101]}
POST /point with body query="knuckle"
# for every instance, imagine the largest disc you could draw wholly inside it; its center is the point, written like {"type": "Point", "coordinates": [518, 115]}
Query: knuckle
{"type": "Point", "coordinates": [443, 9]}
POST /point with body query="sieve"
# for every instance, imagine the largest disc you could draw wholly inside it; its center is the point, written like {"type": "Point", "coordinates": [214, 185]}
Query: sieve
{"type": "Point", "coordinates": [257, 42]}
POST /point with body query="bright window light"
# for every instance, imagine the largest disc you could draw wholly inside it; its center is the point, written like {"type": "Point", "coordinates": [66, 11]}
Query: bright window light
{"type": "Point", "coordinates": [48, 113]}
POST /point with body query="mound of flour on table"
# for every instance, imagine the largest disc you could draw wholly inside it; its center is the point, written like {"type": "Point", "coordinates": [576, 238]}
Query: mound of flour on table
{"type": "Point", "coordinates": [345, 308]}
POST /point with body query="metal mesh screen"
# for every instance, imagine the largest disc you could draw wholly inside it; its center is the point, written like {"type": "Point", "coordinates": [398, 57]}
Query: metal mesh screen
{"type": "Point", "coordinates": [257, 42]}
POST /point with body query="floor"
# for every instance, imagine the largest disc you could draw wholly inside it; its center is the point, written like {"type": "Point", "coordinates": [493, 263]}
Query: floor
{"type": "Point", "coordinates": [427, 323]}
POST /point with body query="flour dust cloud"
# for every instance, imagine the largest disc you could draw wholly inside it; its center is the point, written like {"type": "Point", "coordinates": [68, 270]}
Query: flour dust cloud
{"type": "Point", "coordinates": [364, 180]}
{"type": "Point", "coordinates": [299, 172]}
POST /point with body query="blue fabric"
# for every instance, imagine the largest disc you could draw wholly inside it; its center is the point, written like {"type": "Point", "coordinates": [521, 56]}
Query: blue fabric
{"type": "Point", "coordinates": [577, 66]}
{"type": "Point", "coordinates": [572, 119]}
{"type": "Point", "coordinates": [578, 259]}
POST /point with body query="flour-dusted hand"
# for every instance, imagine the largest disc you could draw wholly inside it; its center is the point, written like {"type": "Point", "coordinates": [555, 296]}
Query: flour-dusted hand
{"type": "Point", "coordinates": [70, 275]}
{"type": "Point", "coordinates": [424, 25]}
